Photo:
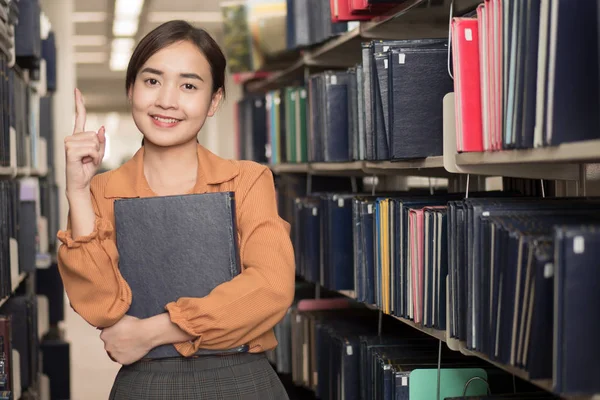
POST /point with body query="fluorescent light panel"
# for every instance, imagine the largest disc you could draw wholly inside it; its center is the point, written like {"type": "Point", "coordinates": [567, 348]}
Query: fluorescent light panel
{"type": "Point", "coordinates": [122, 45]}
{"type": "Point", "coordinates": [198, 16]}
{"type": "Point", "coordinates": [125, 27]}
{"type": "Point", "coordinates": [89, 40]}
{"type": "Point", "coordinates": [119, 61]}
{"type": "Point", "coordinates": [127, 9]}
{"type": "Point", "coordinates": [86, 17]}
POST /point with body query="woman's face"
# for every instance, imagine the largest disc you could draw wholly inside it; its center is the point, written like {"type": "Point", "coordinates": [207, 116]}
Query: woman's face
{"type": "Point", "coordinates": [172, 95]}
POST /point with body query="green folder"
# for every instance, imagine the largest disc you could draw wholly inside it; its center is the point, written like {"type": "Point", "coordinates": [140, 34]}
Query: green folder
{"type": "Point", "coordinates": [290, 122]}
{"type": "Point", "coordinates": [423, 383]}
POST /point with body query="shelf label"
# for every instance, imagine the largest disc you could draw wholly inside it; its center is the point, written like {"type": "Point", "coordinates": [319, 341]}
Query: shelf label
{"type": "Point", "coordinates": [469, 35]}
{"type": "Point", "coordinates": [340, 202]}
{"type": "Point", "coordinates": [370, 208]}
{"type": "Point", "coordinates": [14, 264]}
{"type": "Point", "coordinates": [548, 270]}
{"type": "Point", "coordinates": [13, 147]}
{"type": "Point", "coordinates": [349, 350]}
{"type": "Point", "coordinates": [578, 245]}
{"type": "Point", "coordinates": [401, 58]}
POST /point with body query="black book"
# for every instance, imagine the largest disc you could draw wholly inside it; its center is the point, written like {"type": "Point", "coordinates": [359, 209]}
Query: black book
{"type": "Point", "coordinates": [171, 247]}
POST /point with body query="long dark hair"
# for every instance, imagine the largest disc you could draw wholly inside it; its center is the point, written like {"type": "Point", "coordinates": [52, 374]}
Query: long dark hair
{"type": "Point", "coordinates": [173, 32]}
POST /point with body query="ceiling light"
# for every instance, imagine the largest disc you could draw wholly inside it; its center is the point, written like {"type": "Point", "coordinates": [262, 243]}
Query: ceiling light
{"type": "Point", "coordinates": [122, 45]}
{"type": "Point", "coordinates": [89, 40]}
{"type": "Point", "coordinates": [125, 27]}
{"type": "Point", "coordinates": [84, 17]}
{"type": "Point", "coordinates": [90, 57]}
{"type": "Point", "coordinates": [199, 16]}
{"type": "Point", "coordinates": [119, 61]}
{"type": "Point", "coordinates": [128, 8]}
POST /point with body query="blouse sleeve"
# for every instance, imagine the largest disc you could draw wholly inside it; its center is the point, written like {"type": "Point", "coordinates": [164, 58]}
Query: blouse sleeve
{"type": "Point", "coordinates": [252, 303]}
{"type": "Point", "coordinates": [88, 267]}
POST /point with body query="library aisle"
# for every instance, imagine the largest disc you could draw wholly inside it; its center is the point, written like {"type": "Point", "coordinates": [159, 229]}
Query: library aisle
{"type": "Point", "coordinates": [438, 162]}
{"type": "Point", "coordinates": [93, 373]}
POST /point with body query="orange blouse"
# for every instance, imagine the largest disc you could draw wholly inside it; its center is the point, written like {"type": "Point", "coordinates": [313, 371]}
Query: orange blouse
{"type": "Point", "coordinates": [241, 311]}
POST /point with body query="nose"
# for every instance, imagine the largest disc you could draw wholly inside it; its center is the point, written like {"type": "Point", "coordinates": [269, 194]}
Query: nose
{"type": "Point", "coordinates": [168, 97]}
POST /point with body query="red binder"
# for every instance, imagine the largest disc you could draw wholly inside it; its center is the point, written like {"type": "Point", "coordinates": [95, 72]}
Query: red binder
{"type": "Point", "coordinates": [467, 84]}
{"type": "Point", "coordinates": [340, 12]}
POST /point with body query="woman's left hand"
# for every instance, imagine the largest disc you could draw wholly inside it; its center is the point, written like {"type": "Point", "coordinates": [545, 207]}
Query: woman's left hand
{"type": "Point", "coordinates": [126, 341]}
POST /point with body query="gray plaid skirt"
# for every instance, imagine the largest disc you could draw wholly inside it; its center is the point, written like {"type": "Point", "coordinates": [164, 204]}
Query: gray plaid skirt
{"type": "Point", "coordinates": [243, 376]}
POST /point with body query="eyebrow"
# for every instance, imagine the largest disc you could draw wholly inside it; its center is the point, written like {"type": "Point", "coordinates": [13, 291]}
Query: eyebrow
{"type": "Point", "coordinates": [189, 75]}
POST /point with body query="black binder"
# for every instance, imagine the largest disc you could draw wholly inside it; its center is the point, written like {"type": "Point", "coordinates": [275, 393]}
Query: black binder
{"type": "Point", "coordinates": [172, 247]}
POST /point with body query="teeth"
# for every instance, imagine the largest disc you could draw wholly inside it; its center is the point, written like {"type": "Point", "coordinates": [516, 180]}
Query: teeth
{"type": "Point", "coordinates": [167, 120]}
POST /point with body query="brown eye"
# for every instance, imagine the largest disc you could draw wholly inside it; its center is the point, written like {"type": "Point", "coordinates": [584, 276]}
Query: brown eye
{"type": "Point", "coordinates": [189, 86]}
{"type": "Point", "coordinates": [151, 81]}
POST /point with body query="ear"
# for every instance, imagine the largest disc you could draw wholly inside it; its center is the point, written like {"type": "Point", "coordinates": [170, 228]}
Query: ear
{"type": "Point", "coordinates": [130, 94]}
{"type": "Point", "coordinates": [216, 100]}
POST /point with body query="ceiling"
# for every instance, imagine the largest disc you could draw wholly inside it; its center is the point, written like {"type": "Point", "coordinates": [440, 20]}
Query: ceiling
{"type": "Point", "coordinates": [104, 89]}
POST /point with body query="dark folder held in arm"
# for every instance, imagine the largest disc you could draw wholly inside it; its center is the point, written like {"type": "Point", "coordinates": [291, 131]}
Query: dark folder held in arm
{"type": "Point", "coordinates": [172, 247]}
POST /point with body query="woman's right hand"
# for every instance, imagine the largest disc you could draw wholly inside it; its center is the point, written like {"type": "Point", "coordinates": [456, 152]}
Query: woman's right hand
{"type": "Point", "coordinates": [84, 151]}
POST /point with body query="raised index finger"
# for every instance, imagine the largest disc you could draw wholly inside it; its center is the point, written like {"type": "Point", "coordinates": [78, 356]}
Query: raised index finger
{"type": "Point", "coordinates": [79, 113]}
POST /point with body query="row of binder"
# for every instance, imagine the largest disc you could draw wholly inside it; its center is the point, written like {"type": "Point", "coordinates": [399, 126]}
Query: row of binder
{"type": "Point", "coordinates": [9, 16]}
{"type": "Point", "coordinates": [19, 244]}
{"type": "Point", "coordinates": [28, 39]}
{"type": "Point", "coordinates": [19, 103]}
{"type": "Point", "coordinates": [333, 348]}
{"type": "Point", "coordinates": [504, 274]}
{"type": "Point", "coordinates": [9, 206]}
{"type": "Point", "coordinates": [389, 107]}
{"type": "Point", "coordinates": [526, 74]}
{"type": "Point", "coordinates": [310, 22]}
{"type": "Point", "coordinates": [19, 332]}
{"type": "Point", "coordinates": [286, 125]}
{"type": "Point", "coordinates": [273, 127]}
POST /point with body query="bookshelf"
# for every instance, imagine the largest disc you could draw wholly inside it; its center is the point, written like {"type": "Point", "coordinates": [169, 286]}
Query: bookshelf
{"type": "Point", "coordinates": [545, 384]}
{"type": "Point", "coordinates": [566, 165]}
{"type": "Point", "coordinates": [568, 153]}
{"type": "Point", "coordinates": [7, 172]}
{"type": "Point", "coordinates": [431, 166]}
{"type": "Point", "coordinates": [410, 20]}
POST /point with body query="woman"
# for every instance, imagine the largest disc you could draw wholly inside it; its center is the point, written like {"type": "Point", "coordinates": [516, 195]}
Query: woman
{"type": "Point", "coordinates": [175, 80]}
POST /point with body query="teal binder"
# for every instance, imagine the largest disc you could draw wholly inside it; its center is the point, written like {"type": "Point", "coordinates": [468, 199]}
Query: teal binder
{"type": "Point", "coordinates": [423, 383]}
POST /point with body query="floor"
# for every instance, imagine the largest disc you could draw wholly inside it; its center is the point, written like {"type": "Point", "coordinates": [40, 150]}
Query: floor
{"type": "Point", "coordinates": [92, 372]}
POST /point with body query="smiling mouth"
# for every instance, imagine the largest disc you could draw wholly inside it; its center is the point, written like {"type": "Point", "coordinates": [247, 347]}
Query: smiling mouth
{"type": "Point", "coordinates": [165, 120]}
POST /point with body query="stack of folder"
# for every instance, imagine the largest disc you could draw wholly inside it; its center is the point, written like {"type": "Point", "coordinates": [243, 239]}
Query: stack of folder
{"type": "Point", "coordinates": [9, 206]}
{"type": "Point", "coordinates": [276, 127]}
{"type": "Point", "coordinates": [273, 127]}
{"type": "Point", "coordinates": [28, 39]}
{"type": "Point", "coordinates": [389, 107]}
{"type": "Point", "coordinates": [508, 276]}
{"type": "Point", "coordinates": [5, 111]}
{"type": "Point", "coordinates": [251, 132]}
{"type": "Point", "coordinates": [6, 359]}
{"type": "Point", "coordinates": [23, 314]}
{"type": "Point", "coordinates": [309, 22]}
{"type": "Point", "coordinates": [526, 74]}
{"type": "Point", "coordinates": [9, 17]}
{"type": "Point", "coordinates": [333, 348]}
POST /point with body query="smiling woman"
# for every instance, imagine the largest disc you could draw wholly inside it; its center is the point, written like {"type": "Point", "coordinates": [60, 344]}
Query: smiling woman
{"type": "Point", "coordinates": [174, 82]}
